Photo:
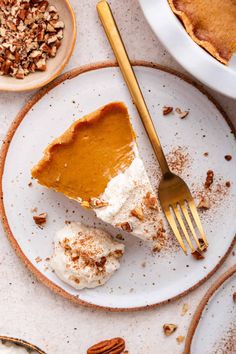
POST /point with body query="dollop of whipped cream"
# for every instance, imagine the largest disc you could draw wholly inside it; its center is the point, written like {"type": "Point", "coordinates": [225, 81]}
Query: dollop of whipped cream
{"type": "Point", "coordinates": [85, 257]}
{"type": "Point", "coordinates": [11, 348]}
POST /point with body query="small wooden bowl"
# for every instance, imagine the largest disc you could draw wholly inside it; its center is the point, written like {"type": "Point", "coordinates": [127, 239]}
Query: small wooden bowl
{"type": "Point", "coordinates": [54, 65]}
{"type": "Point", "coordinates": [21, 343]}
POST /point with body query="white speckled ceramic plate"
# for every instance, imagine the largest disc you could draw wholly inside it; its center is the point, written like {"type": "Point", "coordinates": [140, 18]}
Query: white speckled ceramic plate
{"type": "Point", "coordinates": [191, 56]}
{"type": "Point", "coordinates": [213, 327]}
{"type": "Point", "coordinates": [144, 279]}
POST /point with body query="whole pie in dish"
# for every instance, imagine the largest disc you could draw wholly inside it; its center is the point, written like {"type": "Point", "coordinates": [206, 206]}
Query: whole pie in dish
{"type": "Point", "coordinates": [211, 24]}
{"type": "Point", "coordinates": [97, 162]}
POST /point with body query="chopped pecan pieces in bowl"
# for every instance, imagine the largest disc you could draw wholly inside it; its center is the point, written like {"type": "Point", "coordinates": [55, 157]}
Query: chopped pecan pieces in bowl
{"type": "Point", "coordinates": [30, 33]}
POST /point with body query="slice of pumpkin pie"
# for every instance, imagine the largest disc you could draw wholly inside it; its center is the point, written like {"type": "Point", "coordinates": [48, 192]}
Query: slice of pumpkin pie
{"type": "Point", "coordinates": [96, 162]}
{"type": "Point", "coordinates": [211, 24]}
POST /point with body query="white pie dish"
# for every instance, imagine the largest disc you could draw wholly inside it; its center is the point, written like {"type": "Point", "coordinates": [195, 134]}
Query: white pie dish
{"type": "Point", "coordinates": [191, 56]}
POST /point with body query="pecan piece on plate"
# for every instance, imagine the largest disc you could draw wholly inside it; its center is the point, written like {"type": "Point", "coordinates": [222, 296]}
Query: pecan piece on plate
{"type": "Point", "coordinates": [40, 219]}
{"type": "Point", "coordinates": [126, 226]}
{"type": "Point", "coordinates": [137, 213]}
{"type": "Point", "coordinates": [150, 201]}
{"type": "Point", "coordinates": [182, 114]}
{"type": "Point", "coordinates": [209, 179]}
{"type": "Point", "coordinates": [166, 110]}
{"type": "Point", "coordinates": [180, 339]}
{"type": "Point", "coordinates": [169, 328]}
{"type": "Point", "coordinates": [204, 203]}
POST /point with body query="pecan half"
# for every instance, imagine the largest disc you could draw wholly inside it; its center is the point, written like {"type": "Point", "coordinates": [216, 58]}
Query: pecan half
{"type": "Point", "coordinates": [110, 346]}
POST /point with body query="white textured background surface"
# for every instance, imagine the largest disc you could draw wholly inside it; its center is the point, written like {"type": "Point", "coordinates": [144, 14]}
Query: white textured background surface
{"type": "Point", "coordinates": [28, 309]}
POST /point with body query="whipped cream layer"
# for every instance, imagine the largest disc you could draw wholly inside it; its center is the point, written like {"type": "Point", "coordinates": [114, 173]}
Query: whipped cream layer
{"type": "Point", "coordinates": [127, 193]}
{"type": "Point", "coordinates": [11, 348]}
{"type": "Point", "coordinates": [85, 257]}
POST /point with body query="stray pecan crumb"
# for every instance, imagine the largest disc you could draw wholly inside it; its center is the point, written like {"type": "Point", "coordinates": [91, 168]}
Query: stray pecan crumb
{"type": "Point", "coordinates": [143, 264]}
{"type": "Point", "coordinates": [119, 237]}
{"type": "Point", "coordinates": [150, 201]}
{"type": "Point", "coordinates": [228, 184]}
{"type": "Point", "coordinates": [228, 157]}
{"type": "Point", "coordinates": [40, 219]}
{"type": "Point", "coordinates": [137, 213]}
{"type": "Point", "coordinates": [206, 154]}
{"type": "Point", "coordinates": [234, 297]}
{"type": "Point", "coordinates": [114, 345]}
{"type": "Point", "coordinates": [169, 328]}
{"type": "Point", "coordinates": [202, 245]}
{"type": "Point", "coordinates": [197, 255]}
{"type": "Point", "coordinates": [97, 203]}
{"type": "Point", "coordinates": [180, 339]}
{"type": "Point", "coordinates": [126, 226]}
{"type": "Point", "coordinates": [209, 179]}
{"type": "Point", "coordinates": [204, 203]}
{"type": "Point", "coordinates": [182, 114]}
{"type": "Point", "coordinates": [38, 259]}
{"type": "Point", "coordinates": [185, 309]}
{"type": "Point", "coordinates": [30, 184]}
{"type": "Point", "coordinates": [156, 248]}
{"type": "Point", "coordinates": [166, 110]}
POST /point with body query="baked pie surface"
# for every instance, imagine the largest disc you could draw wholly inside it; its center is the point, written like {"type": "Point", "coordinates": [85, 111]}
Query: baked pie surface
{"type": "Point", "coordinates": [211, 24]}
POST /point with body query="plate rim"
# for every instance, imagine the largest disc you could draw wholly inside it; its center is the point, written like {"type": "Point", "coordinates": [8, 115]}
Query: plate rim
{"type": "Point", "coordinates": [23, 342]}
{"type": "Point", "coordinates": [3, 154]}
{"type": "Point", "coordinates": [208, 60]}
{"type": "Point", "coordinates": [202, 304]}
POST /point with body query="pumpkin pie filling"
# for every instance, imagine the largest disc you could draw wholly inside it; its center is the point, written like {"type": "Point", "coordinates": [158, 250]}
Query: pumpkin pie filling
{"type": "Point", "coordinates": [82, 161]}
{"type": "Point", "coordinates": [211, 24]}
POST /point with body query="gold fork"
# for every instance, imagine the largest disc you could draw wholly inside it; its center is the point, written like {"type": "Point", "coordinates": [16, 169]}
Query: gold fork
{"type": "Point", "coordinates": [174, 195]}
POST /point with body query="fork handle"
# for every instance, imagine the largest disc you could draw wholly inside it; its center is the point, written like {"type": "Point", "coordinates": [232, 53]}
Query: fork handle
{"type": "Point", "coordinates": [119, 50]}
